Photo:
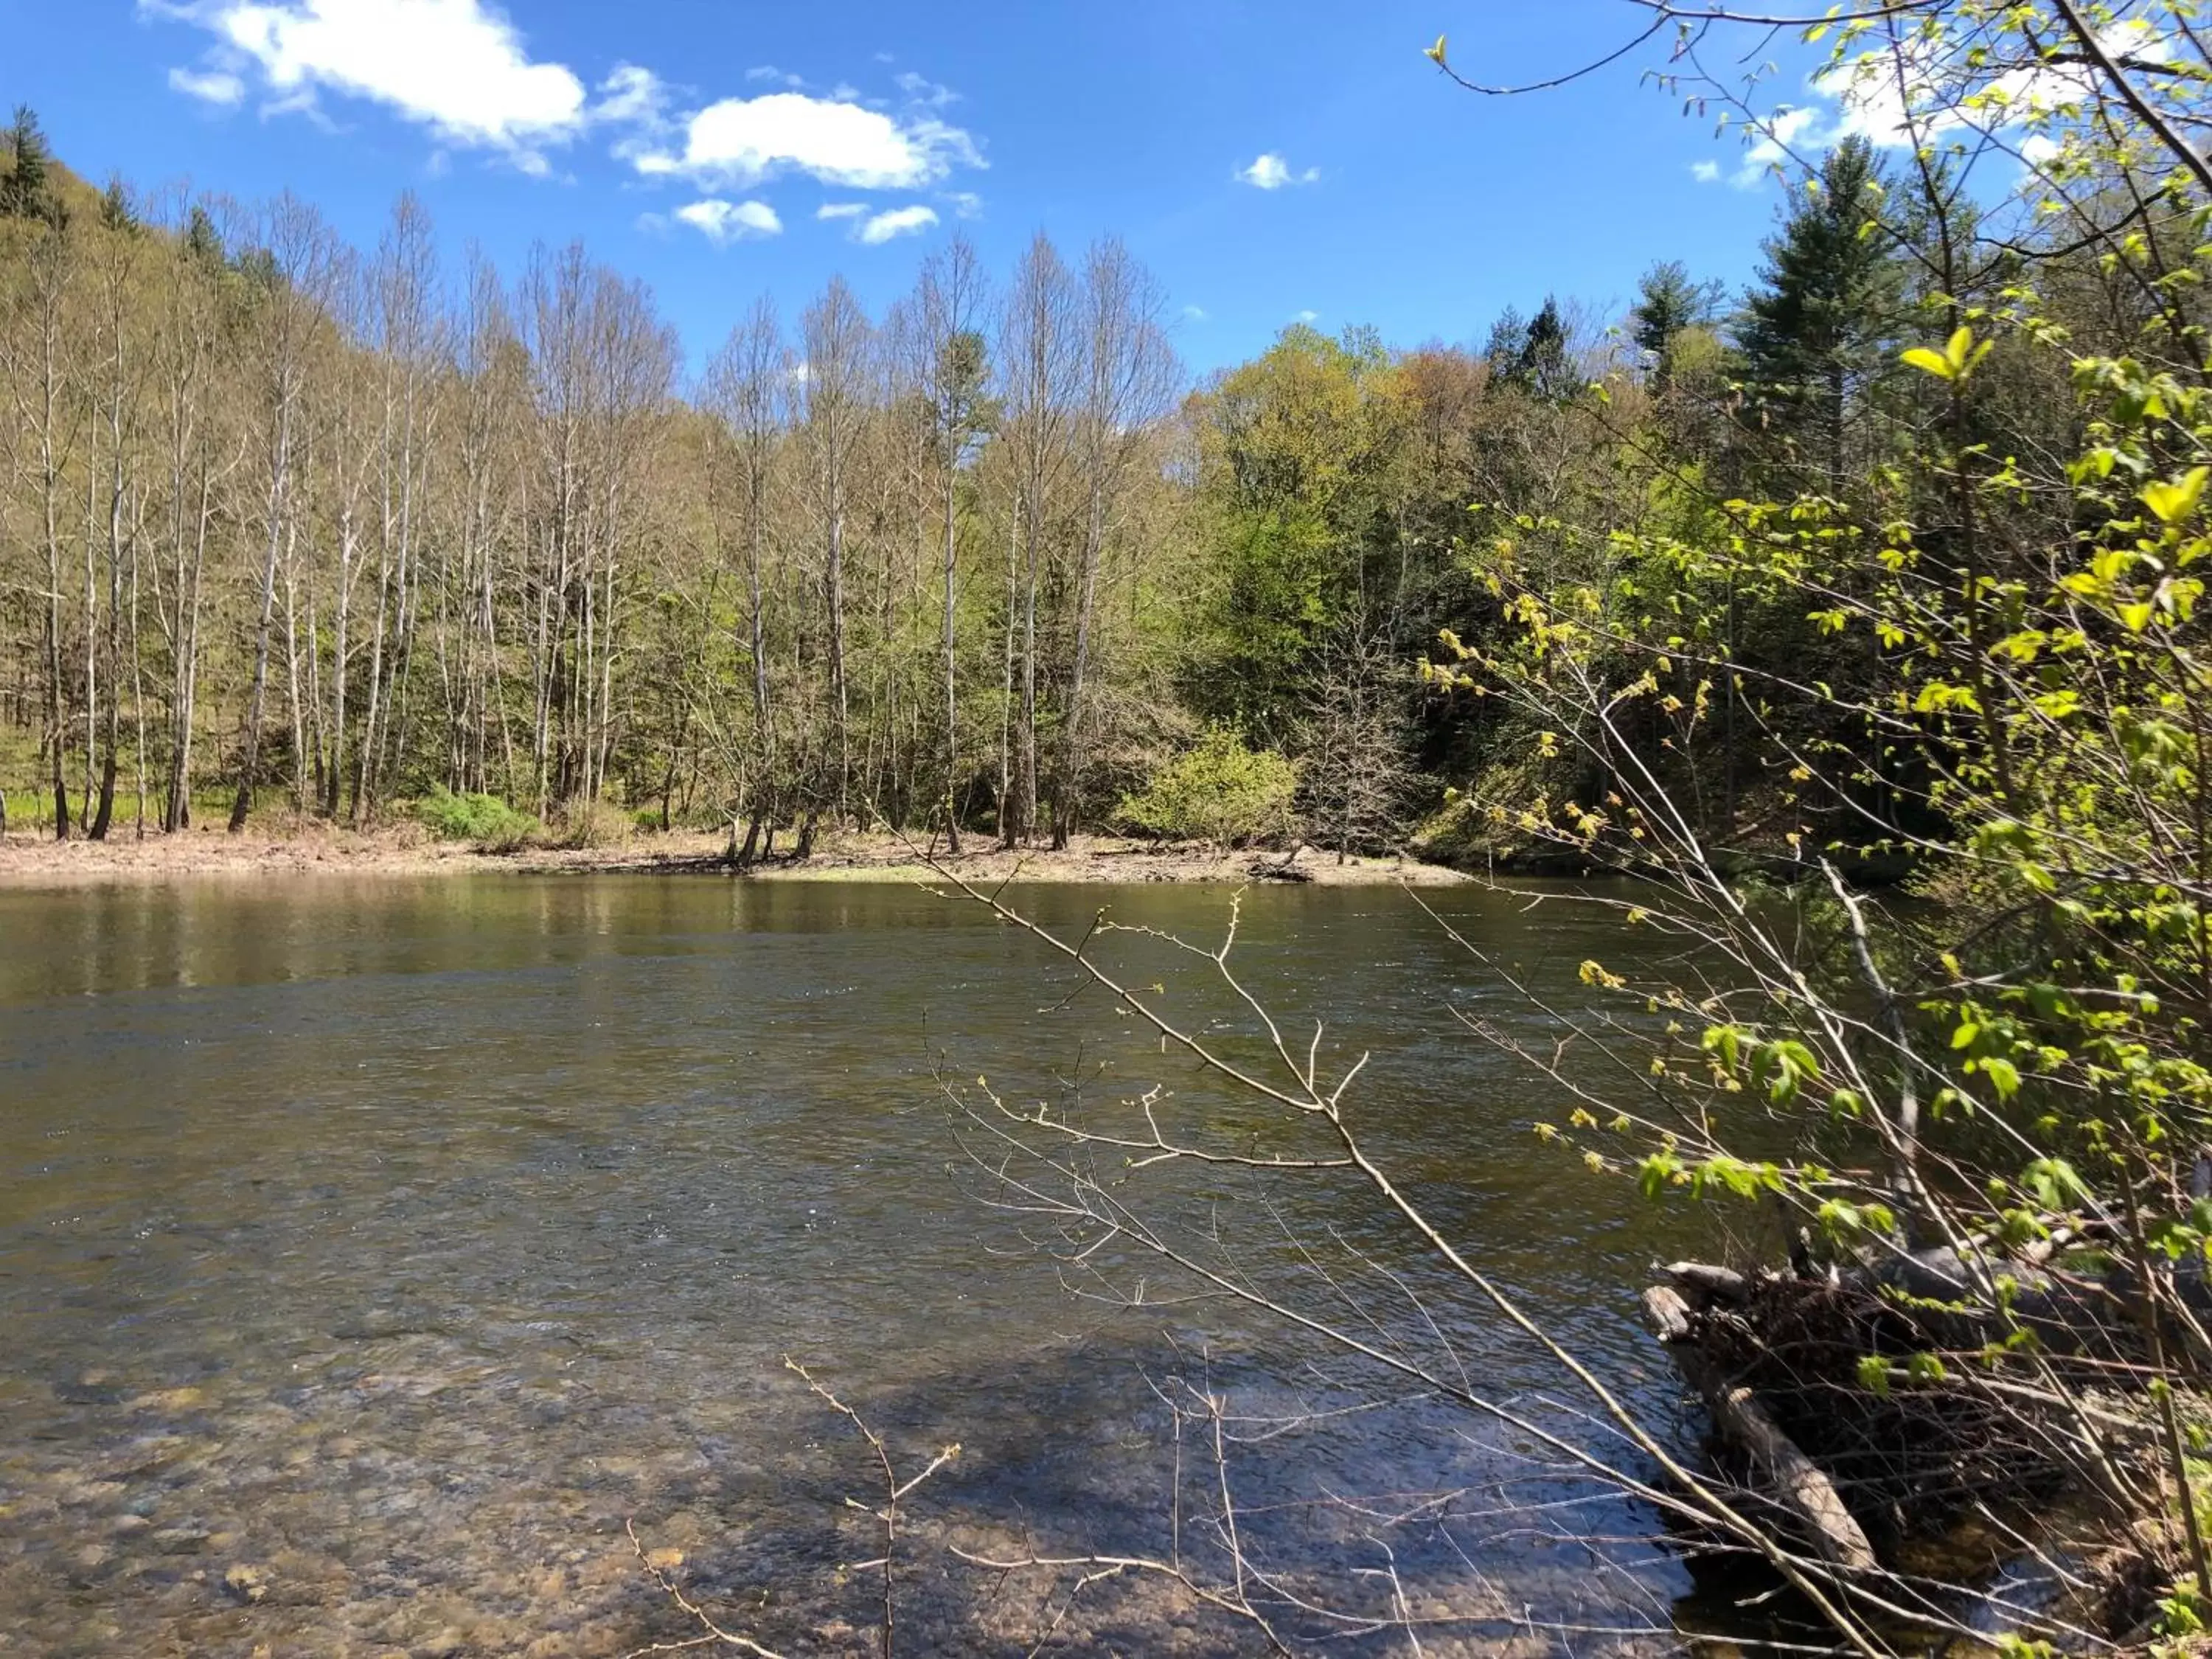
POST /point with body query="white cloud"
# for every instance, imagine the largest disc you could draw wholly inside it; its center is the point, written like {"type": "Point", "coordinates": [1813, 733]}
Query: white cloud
{"type": "Point", "coordinates": [1704, 172]}
{"type": "Point", "coordinates": [1790, 130]}
{"type": "Point", "coordinates": [746, 140]}
{"type": "Point", "coordinates": [1194, 313]}
{"type": "Point", "coordinates": [1864, 98]}
{"type": "Point", "coordinates": [965, 204]}
{"type": "Point", "coordinates": [1309, 318]}
{"type": "Point", "coordinates": [1874, 105]}
{"type": "Point", "coordinates": [2039, 149]}
{"type": "Point", "coordinates": [461, 68]}
{"type": "Point", "coordinates": [841, 210]}
{"type": "Point", "coordinates": [897, 221]}
{"type": "Point", "coordinates": [209, 87]}
{"type": "Point", "coordinates": [1271, 172]}
{"type": "Point", "coordinates": [457, 66]}
{"type": "Point", "coordinates": [723, 222]}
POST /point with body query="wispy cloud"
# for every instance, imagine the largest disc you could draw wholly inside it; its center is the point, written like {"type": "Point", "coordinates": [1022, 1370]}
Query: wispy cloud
{"type": "Point", "coordinates": [896, 221]}
{"type": "Point", "coordinates": [1705, 172]}
{"type": "Point", "coordinates": [841, 210]}
{"type": "Point", "coordinates": [632, 96]}
{"type": "Point", "coordinates": [1271, 171]}
{"type": "Point", "coordinates": [725, 221]}
{"type": "Point", "coordinates": [209, 86]}
{"type": "Point", "coordinates": [1194, 314]}
{"type": "Point", "coordinates": [923, 90]}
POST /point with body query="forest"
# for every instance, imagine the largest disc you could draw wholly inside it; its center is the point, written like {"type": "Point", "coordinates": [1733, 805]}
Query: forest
{"type": "Point", "coordinates": [312, 529]}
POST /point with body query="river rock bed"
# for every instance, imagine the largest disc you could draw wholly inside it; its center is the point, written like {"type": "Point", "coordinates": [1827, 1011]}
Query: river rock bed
{"type": "Point", "coordinates": [372, 1256]}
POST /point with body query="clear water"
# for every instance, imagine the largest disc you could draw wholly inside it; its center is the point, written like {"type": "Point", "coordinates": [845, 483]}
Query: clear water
{"type": "Point", "coordinates": [383, 1248]}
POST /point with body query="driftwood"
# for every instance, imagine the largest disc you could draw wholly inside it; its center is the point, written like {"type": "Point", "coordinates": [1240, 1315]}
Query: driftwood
{"type": "Point", "coordinates": [1713, 1283]}
{"type": "Point", "coordinates": [1285, 870]}
{"type": "Point", "coordinates": [1793, 1480]}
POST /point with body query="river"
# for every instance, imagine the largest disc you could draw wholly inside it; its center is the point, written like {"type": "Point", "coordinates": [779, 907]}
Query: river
{"type": "Point", "coordinates": [372, 1252]}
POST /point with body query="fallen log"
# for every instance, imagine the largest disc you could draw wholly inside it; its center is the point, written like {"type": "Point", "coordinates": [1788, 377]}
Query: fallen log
{"type": "Point", "coordinates": [1714, 1284]}
{"type": "Point", "coordinates": [1793, 1480]}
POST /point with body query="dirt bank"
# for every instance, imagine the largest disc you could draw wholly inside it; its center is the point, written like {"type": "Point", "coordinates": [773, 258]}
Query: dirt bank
{"type": "Point", "coordinates": [27, 860]}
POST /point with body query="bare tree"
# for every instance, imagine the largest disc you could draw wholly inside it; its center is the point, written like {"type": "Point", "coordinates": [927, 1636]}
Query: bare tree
{"type": "Point", "coordinates": [953, 371]}
{"type": "Point", "coordinates": [408, 334]}
{"type": "Point", "coordinates": [495, 405]}
{"type": "Point", "coordinates": [1039, 364]}
{"type": "Point", "coordinates": [290, 267]}
{"type": "Point", "coordinates": [198, 454]}
{"type": "Point", "coordinates": [1356, 774]}
{"type": "Point", "coordinates": [1130, 377]}
{"type": "Point", "coordinates": [748, 388]}
{"type": "Point", "coordinates": [832, 390]}
{"type": "Point", "coordinates": [119, 253]}
{"type": "Point", "coordinates": [43, 366]}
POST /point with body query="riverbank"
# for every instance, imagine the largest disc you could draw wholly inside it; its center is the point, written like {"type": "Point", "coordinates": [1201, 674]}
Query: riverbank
{"type": "Point", "coordinates": [28, 860]}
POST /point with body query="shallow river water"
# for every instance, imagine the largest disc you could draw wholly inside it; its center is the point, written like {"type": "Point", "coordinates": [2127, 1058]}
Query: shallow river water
{"type": "Point", "coordinates": [373, 1254]}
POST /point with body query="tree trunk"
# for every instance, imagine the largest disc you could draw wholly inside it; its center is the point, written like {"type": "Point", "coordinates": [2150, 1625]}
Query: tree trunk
{"type": "Point", "coordinates": [1071, 737]}
{"type": "Point", "coordinates": [249, 761]}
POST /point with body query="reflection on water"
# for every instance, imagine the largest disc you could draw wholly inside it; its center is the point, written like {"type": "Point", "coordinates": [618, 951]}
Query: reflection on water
{"type": "Point", "coordinates": [370, 1253]}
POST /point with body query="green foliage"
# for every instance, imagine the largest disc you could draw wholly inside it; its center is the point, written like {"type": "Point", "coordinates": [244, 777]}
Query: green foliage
{"type": "Point", "coordinates": [1818, 329]}
{"type": "Point", "coordinates": [1925, 603]}
{"type": "Point", "coordinates": [1220, 791]}
{"type": "Point", "coordinates": [1668, 305]}
{"type": "Point", "coordinates": [116, 212]}
{"type": "Point", "coordinates": [486, 820]}
{"type": "Point", "coordinates": [27, 192]}
{"type": "Point", "coordinates": [1534, 358]}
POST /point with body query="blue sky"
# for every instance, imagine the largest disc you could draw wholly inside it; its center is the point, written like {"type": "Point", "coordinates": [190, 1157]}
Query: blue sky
{"type": "Point", "coordinates": [1265, 160]}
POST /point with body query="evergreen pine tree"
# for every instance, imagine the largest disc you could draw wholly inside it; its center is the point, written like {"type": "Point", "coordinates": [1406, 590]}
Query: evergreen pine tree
{"type": "Point", "coordinates": [202, 240]}
{"type": "Point", "coordinates": [1667, 302]}
{"type": "Point", "coordinates": [1819, 329]}
{"type": "Point", "coordinates": [1543, 367]}
{"type": "Point", "coordinates": [1530, 354]}
{"type": "Point", "coordinates": [115, 211]}
{"type": "Point", "coordinates": [27, 191]}
{"type": "Point", "coordinates": [1502, 351]}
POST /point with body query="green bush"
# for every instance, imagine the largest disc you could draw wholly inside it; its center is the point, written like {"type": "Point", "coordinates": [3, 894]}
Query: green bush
{"type": "Point", "coordinates": [484, 820]}
{"type": "Point", "coordinates": [1220, 791]}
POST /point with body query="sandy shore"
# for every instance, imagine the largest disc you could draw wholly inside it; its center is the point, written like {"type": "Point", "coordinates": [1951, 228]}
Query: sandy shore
{"type": "Point", "coordinates": [27, 860]}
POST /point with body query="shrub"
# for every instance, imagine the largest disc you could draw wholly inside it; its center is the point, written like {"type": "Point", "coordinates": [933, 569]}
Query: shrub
{"type": "Point", "coordinates": [487, 820]}
{"type": "Point", "coordinates": [1220, 791]}
{"type": "Point", "coordinates": [592, 823]}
